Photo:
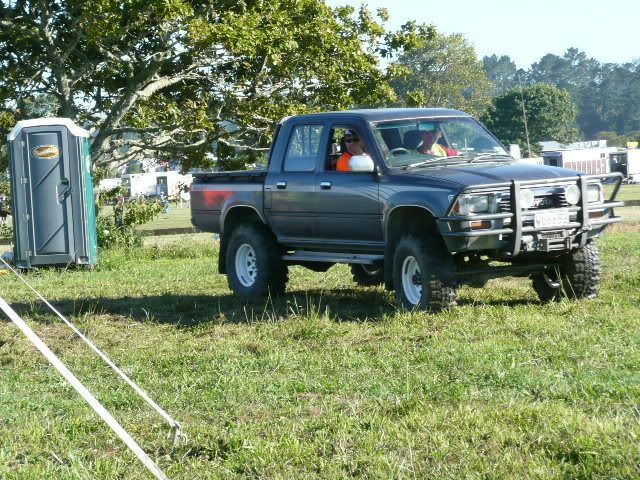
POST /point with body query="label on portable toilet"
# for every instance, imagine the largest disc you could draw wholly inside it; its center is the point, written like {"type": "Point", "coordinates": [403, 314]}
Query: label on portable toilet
{"type": "Point", "coordinates": [46, 151]}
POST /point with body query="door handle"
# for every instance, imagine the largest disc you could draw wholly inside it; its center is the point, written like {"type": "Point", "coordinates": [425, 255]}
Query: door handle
{"type": "Point", "coordinates": [325, 185]}
{"type": "Point", "coordinates": [63, 189]}
{"type": "Point", "coordinates": [281, 185]}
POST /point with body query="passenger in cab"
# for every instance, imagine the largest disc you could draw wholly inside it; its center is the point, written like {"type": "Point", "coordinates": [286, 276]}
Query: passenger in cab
{"type": "Point", "coordinates": [431, 146]}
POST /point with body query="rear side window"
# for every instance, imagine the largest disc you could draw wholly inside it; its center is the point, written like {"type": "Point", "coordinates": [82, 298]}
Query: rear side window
{"type": "Point", "coordinates": [303, 149]}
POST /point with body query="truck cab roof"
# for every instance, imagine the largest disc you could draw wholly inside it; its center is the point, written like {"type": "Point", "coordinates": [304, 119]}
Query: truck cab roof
{"type": "Point", "coordinates": [380, 114]}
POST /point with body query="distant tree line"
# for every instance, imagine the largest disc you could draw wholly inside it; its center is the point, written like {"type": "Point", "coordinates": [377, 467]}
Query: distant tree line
{"type": "Point", "coordinates": [606, 95]}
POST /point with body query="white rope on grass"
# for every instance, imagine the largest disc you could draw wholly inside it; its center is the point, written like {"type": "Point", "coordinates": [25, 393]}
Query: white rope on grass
{"type": "Point", "coordinates": [83, 391]}
{"type": "Point", "coordinates": [177, 429]}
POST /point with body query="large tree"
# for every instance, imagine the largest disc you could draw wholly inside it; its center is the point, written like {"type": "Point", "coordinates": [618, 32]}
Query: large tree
{"type": "Point", "coordinates": [579, 75]}
{"type": "Point", "coordinates": [166, 78]}
{"type": "Point", "coordinates": [549, 114]}
{"type": "Point", "coordinates": [502, 71]}
{"type": "Point", "coordinates": [444, 72]}
{"type": "Point", "coordinates": [618, 97]}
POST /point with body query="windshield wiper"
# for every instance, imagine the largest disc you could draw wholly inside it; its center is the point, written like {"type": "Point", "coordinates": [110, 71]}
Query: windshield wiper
{"type": "Point", "coordinates": [434, 161]}
{"type": "Point", "coordinates": [484, 156]}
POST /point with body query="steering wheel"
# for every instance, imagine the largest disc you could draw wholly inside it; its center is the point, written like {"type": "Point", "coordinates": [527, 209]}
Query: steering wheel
{"type": "Point", "coordinates": [398, 151]}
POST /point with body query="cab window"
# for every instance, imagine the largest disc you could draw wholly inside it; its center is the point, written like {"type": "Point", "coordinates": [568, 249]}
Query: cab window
{"type": "Point", "coordinates": [303, 149]}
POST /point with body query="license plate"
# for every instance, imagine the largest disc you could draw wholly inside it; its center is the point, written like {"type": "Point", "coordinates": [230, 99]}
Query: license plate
{"type": "Point", "coordinates": [551, 219]}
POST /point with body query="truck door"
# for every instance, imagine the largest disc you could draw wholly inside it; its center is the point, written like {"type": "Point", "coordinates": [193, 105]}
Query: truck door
{"type": "Point", "coordinates": [348, 210]}
{"type": "Point", "coordinates": [289, 192]}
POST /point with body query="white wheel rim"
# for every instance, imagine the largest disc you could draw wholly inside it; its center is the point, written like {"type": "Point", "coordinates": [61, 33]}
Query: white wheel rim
{"type": "Point", "coordinates": [246, 268]}
{"type": "Point", "coordinates": [411, 281]}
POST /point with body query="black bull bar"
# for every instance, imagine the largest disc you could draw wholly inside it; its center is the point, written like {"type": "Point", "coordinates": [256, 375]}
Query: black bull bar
{"type": "Point", "coordinates": [584, 224]}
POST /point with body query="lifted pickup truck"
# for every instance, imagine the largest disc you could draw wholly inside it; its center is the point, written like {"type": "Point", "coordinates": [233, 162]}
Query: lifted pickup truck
{"type": "Point", "coordinates": [435, 202]}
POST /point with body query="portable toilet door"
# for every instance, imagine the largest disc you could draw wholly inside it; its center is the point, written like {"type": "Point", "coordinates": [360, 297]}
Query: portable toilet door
{"type": "Point", "coordinates": [53, 205]}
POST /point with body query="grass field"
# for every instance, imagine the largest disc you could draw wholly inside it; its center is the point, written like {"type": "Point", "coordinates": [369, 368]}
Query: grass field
{"type": "Point", "coordinates": [329, 381]}
{"type": "Point", "coordinates": [627, 192]}
{"type": "Point", "coordinates": [174, 217]}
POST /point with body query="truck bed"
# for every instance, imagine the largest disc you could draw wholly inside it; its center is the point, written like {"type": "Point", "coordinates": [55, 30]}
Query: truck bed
{"type": "Point", "coordinates": [212, 192]}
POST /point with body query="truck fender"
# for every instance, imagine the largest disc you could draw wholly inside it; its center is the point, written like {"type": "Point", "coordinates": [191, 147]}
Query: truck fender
{"type": "Point", "coordinates": [233, 217]}
{"type": "Point", "coordinates": [412, 219]}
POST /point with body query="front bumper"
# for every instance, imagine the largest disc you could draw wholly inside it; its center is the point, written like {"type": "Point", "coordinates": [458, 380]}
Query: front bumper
{"type": "Point", "coordinates": [517, 231]}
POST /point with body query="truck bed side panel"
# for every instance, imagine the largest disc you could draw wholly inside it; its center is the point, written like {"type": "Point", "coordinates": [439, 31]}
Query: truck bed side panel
{"type": "Point", "coordinates": [213, 195]}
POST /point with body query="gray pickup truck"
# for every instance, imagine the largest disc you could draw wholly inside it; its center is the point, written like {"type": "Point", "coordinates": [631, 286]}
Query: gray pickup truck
{"type": "Point", "coordinates": [420, 200]}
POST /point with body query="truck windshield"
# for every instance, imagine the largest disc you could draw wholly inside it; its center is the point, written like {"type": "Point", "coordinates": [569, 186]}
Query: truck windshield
{"type": "Point", "coordinates": [425, 141]}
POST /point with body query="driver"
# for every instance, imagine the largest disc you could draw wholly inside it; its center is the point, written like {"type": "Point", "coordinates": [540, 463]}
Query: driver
{"type": "Point", "coordinates": [430, 145]}
{"type": "Point", "coordinates": [354, 147]}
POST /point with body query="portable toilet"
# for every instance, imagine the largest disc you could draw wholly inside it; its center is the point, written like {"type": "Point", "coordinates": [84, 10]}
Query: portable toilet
{"type": "Point", "coordinates": [54, 219]}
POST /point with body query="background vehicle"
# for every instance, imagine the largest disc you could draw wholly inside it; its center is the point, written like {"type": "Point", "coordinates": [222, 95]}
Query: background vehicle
{"type": "Point", "coordinates": [421, 224]}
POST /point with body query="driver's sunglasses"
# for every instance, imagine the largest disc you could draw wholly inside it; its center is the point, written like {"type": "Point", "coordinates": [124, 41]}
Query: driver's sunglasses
{"type": "Point", "coordinates": [351, 139]}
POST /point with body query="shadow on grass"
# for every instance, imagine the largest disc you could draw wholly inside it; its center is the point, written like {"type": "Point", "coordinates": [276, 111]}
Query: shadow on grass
{"type": "Point", "coordinates": [504, 302]}
{"type": "Point", "coordinates": [347, 305]}
{"type": "Point", "coordinates": [343, 305]}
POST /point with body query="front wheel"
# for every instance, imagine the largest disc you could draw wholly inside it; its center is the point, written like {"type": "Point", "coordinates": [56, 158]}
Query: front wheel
{"type": "Point", "coordinates": [576, 276]}
{"type": "Point", "coordinates": [254, 264]}
{"type": "Point", "coordinates": [424, 275]}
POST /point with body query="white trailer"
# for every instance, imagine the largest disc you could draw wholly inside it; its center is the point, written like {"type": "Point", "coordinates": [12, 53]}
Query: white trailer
{"type": "Point", "coordinates": [627, 162]}
{"type": "Point", "coordinates": [109, 183]}
{"type": "Point", "coordinates": [155, 183]}
{"type": "Point", "coordinates": [586, 160]}
{"type": "Point", "coordinates": [140, 184]}
{"type": "Point", "coordinates": [169, 183]}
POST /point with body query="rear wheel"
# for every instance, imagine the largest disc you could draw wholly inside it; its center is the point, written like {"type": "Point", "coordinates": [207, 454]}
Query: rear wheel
{"type": "Point", "coordinates": [424, 275]}
{"type": "Point", "coordinates": [254, 263]}
{"type": "Point", "coordinates": [576, 276]}
{"type": "Point", "coordinates": [367, 275]}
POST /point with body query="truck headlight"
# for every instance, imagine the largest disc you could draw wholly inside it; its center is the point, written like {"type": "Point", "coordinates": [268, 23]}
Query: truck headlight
{"type": "Point", "coordinates": [594, 193]}
{"type": "Point", "coordinates": [572, 194]}
{"type": "Point", "coordinates": [467, 204]}
{"type": "Point", "coordinates": [526, 198]}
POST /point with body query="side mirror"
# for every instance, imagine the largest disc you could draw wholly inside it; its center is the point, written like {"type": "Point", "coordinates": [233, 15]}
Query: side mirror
{"type": "Point", "coordinates": [514, 151]}
{"type": "Point", "coordinates": [361, 163]}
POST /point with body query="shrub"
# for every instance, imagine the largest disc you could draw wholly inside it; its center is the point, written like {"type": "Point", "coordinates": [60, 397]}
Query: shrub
{"type": "Point", "coordinates": [6, 229]}
{"type": "Point", "coordinates": [118, 229]}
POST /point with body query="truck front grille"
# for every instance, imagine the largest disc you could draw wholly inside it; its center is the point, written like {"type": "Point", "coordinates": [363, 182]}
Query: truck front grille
{"type": "Point", "coordinates": [544, 199]}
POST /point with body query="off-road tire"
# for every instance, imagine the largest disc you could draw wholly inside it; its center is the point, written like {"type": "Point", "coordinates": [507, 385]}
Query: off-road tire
{"type": "Point", "coordinates": [434, 286]}
{"type": "Point", "coordinates": [254, 262]}
{"type": "Point", "coordinates": [367, 275]}
{"type": "Point", "coordinates": [577, 276]}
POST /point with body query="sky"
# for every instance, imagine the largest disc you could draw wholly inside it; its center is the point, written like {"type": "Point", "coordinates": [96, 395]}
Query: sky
{"type": "Point", "coordinates": [526, 30]}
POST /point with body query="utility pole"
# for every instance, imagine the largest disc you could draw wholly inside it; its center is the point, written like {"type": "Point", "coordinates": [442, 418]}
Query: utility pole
{"type": "Point", "coordinates": [524, 115]}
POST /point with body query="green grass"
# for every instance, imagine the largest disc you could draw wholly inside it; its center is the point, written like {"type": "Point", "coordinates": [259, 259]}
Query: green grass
{"type": "Point", "coordinates": [627, 192]}
{"type": "Point", "coordinates": [329, 381]}
{"type": "Point", "coordinates": [175, 217]}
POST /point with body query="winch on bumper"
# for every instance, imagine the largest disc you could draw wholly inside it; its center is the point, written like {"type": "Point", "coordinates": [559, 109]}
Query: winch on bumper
{"type": "Point", "coordinates": [557, 214]}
